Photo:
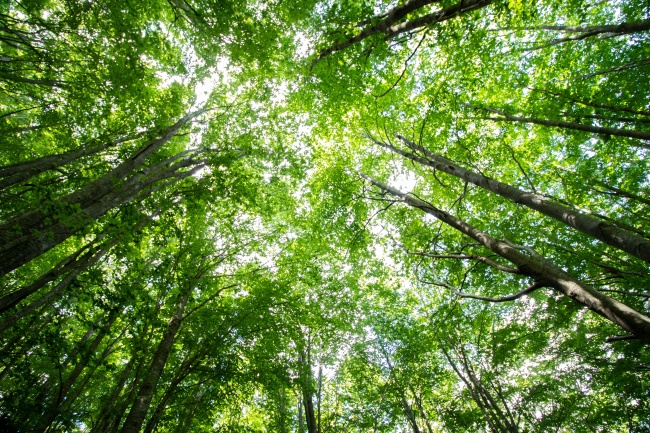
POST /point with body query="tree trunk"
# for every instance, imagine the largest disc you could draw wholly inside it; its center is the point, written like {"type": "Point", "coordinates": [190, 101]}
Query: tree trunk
{"type": "Point", "coordinates": [641, 135]}
{"type": "Point", "coordinates": [16, 173]}
{"type": "Point", "coordinates": [92, 257]}
{"type": "Point", "coordinates": [18, 231]}
{"type": "Point", "coordinates": [307, 397]}
{"type": "Point", "coordinates": [406, 407]}
{"type": "Point", "coordinates": [183, 371]}
{"type": "Point", "coordinates": [390, 28]}
{"type": "Point", "coordinates": [108, 411]}
{"type": "Point", "coordinates": [64, 266]}
{"type": "Point", "coordinates": [136, 416]}
{"type": "Point", "coordinates": [617, 237]}
{"type": "Point", "coordinates": [67, 385]}
{"type": "Point", "coordinates": [541, 270]}
{"type": "Point", "coordinates": [21, 249]}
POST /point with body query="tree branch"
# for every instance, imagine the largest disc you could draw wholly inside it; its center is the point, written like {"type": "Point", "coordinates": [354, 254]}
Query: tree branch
{"type": "Point", "coordinates": [530, 289]}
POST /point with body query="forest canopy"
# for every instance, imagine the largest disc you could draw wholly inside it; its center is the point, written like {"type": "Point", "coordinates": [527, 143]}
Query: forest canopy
{"type": "Point", "coordinates": [325, 216]}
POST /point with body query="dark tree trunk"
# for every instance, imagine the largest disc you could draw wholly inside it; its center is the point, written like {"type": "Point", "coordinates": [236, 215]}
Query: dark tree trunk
{"type": "Point", "coordinates": [92, 257]}
{"type": "Point", "coordinates": [390, 26]}
{"type": "Point", "coordinates": [640, 135]}
{"type": "Point", "coordinates": [136, 416]}
{"type": "Point", "coordinates": [67, 385]}
{"type": "Point", "coordinates": [17, 173]}
{"type": "Point", "coordinates": [28, 235]}
{"type": "Point", "coordinates": [22, 249]}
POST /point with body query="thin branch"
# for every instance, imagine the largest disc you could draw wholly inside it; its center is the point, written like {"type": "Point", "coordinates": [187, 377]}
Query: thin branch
{"type": "Point", "coordinates": [530, 289]}
{"type": "Point", "coordinates": [620, 338]}
{"type": "Point", "coordinates": [406, 62]}
{"type": "Point", "coordinates": [482, 259]}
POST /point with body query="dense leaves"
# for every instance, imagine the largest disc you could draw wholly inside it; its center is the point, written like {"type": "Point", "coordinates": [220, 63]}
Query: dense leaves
{"type": "Point", "coordinates": [325, 217]}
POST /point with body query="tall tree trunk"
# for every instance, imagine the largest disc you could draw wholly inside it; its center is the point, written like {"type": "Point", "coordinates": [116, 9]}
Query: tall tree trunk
{"type": "Point", "coordinates": [64, 266]}
{"type": "Point", "coordinates": [136, 416]}
{"type": "Point", "coordinates": [18, 237]}
{"type": "Point", "coordinates": [22, 249]}
{"type": "Point", "coordinates": [66, 386]}
{"type": "Point", "coordinates": [540, 270]}
{"type": "Point", "coordinates": [492, 413]}
{"type": "Point", "coordinates": [92, 257]}
{"type": "Point", "coordinates": [183, 371]}
{"type": "Point", "coordinates": [17, 173]}
{"type": "Point", "coordinates": [391, 27]}
{"type": "Point", "coordinates": [617, 237]}
{"type": "Point", "coordinates": [641, 135]}
{"type": "Point", "coordinates": [307, 395]}
{"type": "Point", "coordinates": [406, 407]}
{"type": "Point", "coordinates": [108, 411]}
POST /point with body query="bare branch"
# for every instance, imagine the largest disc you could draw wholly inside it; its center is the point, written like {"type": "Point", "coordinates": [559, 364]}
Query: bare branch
{"type": "Point", "coordinates": [530, 289]}
{"type": "Point", "coordinates": [482, 259]}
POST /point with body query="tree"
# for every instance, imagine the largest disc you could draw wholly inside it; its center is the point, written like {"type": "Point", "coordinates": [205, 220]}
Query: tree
{"type": "Point", "coordinates": [172, 268]}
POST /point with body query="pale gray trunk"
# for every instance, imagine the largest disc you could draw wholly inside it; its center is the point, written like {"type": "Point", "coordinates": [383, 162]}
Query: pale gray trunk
{"type": "Point", "coordinates": [617, 237]}
{"type": "Point", "coordinates": [541, 270]}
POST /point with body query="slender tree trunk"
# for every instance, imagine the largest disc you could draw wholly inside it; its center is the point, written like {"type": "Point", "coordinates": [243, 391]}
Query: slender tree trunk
{"type": "Point", "coordinates": [66, 386]}
{"type": "Point", "coordinates": [23, 249]}
{"type": "Point", "coordinates": [590, 31]}
{"type": "Point", "coordinates": [108, 411]}
{"type": "Point", "coordinates": [307, 397]}
{"type": "Point", "coordinates": [16, 173]}
{"type": "Point", "coordinates": [189, 417]}
{"type": "Point", "coordinates": [18, 231]}
{"type": "Point", "coordinates": [490, 411]}
{"type": "Point", "coordinates": [92, 258]}
{"type": "Point", "coordinates": [64, 266]}
{"type": "Point", "coordinates": [183, 371]}
{"type": "Point", "coordinates": [136, 416]}
{"type": "Point", "coordinates": [72, 397]}
{"type": "Point", "coordinates": [406, 407]}
{"type": "Point", "coordinates": [391, 27]}
{"type": "Point", "coordinates": [541, 270]}
{"type": "Point", "coordinates": [610, 234]}
{"type": "Point", "coordinates": [641, 135]}
{"type": "Point", "coordinates": [123, 405]}
{"type": "Point", "coordinates": [319, 397]}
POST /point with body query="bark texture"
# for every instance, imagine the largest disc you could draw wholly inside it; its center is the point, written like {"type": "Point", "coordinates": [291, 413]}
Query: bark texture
{"type": "Point", "coordinates": [539, 269]}
{"type": "Point", "coordinates": [610, 234]}
{"type": "Point", "coordinates": [136, 416]}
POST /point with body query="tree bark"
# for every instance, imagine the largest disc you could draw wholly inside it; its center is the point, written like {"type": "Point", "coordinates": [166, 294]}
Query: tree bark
{"type": "Point", "coordinates": [640, 135]}
{"type": "Point", "coordinates": [136, 416]}
{"type": "Point", "coordinates": [16, 173]}
{"type": "Point", "coordinates": [625, 240]}
{"type": "Point", "coordinates": [40, 239]}
{"type": "Point", "coordinates": [539, 269]}
{"type": "Point", "coordinates": [66, 265]}
{"type": "Point", "coordinates": [390, 28]}
{"type": "Point", "coordinates": [182, 372]}
{"type": "Point", "coordinates": [92, 257]}
{"type": "Point", "coordinates": [30, 226]}
{"type": "Point", "coordinates": [589, 31]}
{"type": "Point", "coordinates": [67, 385]}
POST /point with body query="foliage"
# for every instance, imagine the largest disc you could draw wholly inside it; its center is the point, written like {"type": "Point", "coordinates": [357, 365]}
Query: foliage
{"type": "Point", "coordinates": [187, 220]}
